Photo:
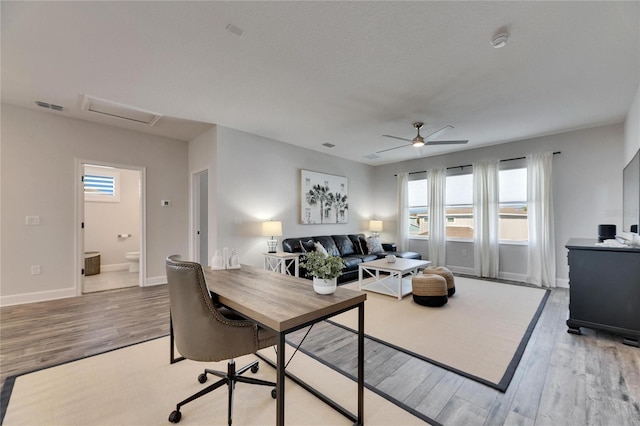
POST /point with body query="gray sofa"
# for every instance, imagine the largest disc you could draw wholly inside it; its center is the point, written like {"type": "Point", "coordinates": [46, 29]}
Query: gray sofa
{"type": "Point", "coordinates": [352, 248]}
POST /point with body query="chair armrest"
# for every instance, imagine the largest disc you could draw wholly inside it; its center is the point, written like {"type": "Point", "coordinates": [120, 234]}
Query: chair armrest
{"type": "Point", "coordinates": [389, 247]}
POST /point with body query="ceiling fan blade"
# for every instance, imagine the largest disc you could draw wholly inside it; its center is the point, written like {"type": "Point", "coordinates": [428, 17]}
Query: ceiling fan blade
{"type": "Point", "coordinates": [446, 142]}
{"type": "Point", "coordinates": [390, 149]}
{"type": "Point", "coordinates": [395, 137]}
{"type": "Point", "coordinates": [438, 132]}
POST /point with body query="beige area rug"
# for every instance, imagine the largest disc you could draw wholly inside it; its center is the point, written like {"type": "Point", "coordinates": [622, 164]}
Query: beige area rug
{"type": "Point", "coordinates": [480, 333]}
{"type": "Point", "coordinates": [136, 385]}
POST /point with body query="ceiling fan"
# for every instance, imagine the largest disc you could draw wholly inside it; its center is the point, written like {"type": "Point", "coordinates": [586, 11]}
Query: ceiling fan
{"type": "Point", "coordinates": [419, 141]}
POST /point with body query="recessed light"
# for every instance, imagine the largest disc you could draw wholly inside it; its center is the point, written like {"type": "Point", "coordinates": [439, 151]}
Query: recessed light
{"type": "Point", "coordinates": [500, 40]}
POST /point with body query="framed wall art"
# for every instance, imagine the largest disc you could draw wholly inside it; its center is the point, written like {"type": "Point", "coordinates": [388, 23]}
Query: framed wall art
{"type": "Point", "coordinates": [323, 198]}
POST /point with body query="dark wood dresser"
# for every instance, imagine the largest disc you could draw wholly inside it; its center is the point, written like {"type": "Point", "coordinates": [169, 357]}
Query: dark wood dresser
{"type": "Point", "coordinates": [604, 289]}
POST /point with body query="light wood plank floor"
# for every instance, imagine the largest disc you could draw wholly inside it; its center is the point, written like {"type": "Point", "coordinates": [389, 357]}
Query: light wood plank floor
{"type": "Point", "coordinates": [562, 379]}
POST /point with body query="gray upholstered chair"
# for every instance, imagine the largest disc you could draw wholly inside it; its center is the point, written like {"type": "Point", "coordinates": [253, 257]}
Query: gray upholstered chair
{"type": "Point", "coordinates": [205, 331]}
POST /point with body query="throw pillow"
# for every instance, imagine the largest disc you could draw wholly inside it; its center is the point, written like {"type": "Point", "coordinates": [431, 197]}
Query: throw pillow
{"type": "Point", "coordinates": [320, 248]}
{"type": "Point", "coordinates": [307, 246]}
{"type": "Point", "coordinates": [363, 245]}
{"type": "Point", "coordinates": [374, 245]}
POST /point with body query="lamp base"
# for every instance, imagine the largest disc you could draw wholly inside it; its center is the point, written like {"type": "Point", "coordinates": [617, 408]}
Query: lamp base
{"type": "Point", "coordinates": [272, 245]}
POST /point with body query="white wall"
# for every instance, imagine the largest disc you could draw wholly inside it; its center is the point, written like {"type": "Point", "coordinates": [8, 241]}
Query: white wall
{"type": "Point", "coordinates": [632, 129]}
{"type": "Point", "coordinates": [39, 151]}
{"type": "Point", "coordinates": [259, 179]}
{"type": "Point", "coordinates": [587, 190]}
{"type": "Point", "coordinates": [104, 221]}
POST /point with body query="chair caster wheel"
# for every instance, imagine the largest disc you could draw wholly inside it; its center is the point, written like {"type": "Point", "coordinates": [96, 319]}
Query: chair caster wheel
{"type": "Point", "coordinates": [255, 369]}
{"type": "Point", "coordinates": [175, 416]}
{"type": "Point", "coordinates": [202, 378]}
{"type": "Point", "coordinates": [274, 394]}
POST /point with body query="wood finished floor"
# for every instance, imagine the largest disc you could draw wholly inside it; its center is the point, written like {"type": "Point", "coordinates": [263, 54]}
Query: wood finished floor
{"type": "Point", "coordinates": [562, 379]}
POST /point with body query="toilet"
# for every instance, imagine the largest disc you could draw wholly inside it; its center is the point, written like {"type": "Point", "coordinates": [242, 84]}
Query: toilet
{"type": "Point", "coordinates": [134, 260]}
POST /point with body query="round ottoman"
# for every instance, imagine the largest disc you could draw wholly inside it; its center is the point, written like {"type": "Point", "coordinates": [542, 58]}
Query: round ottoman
{"type": "Point", "coordinates": [446, 274]}
{"type": "Point", "coordinates": [429, 290]}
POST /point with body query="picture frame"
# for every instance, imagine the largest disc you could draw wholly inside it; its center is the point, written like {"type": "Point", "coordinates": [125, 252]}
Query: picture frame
{"type": "Point", "coordinates": [323, 198]}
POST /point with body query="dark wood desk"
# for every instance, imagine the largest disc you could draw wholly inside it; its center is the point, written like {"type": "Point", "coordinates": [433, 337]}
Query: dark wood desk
{"type": "Point", "coordinates": [284, 304]}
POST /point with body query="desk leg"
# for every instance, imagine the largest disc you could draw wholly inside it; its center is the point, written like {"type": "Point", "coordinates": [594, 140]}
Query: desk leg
{"type": "Point", "coordinates": [280, 381]}
{"type": "Point", "coordinates": [361, 364]}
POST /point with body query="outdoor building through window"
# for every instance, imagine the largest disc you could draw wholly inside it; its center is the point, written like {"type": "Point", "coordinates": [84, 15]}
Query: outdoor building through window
{"type": "Point", "coordinates": [514, 223]}
{"type": "Point", "coordinates": [418, 208]}
{"type": "Point", "coordinates": [459, 206]}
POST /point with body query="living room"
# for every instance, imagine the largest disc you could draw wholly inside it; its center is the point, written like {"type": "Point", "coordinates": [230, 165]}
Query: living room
{"type": "Point", "coordinates": [253, 178]}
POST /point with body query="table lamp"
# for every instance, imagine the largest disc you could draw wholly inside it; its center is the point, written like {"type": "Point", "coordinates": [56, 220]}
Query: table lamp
{"type": "Point", "coordinates": [272, 228]}
{"type": "Point", "coordinates": [375, 226]}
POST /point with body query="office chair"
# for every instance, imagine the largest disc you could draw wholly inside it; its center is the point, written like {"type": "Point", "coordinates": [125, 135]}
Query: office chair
{"type": "Point", "coordinates": [205, 331]}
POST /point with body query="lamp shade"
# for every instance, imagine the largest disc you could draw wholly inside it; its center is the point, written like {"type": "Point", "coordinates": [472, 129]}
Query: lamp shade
{"type": "Point", "coordinates": [375, 225]}
{"type": "Point", "coordinates": [272, 228]}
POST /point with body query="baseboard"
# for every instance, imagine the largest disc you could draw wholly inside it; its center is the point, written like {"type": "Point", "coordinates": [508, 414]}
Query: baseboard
{"type": "Point", "coordinates": [19, 299]}
{"type": "Point", "coordinates": [114, 267]}
{"type": "Point", "coordinates": [155, 281]}
{"type": "Point", "coordinates": [562, 282]}
{"type": "Point", "coordinates": [512, 277]}
{"type": "Point", "coordinates": [461, 270]}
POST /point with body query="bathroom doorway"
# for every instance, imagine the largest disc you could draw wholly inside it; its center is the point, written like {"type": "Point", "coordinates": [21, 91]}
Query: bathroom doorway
{"type": "Point", "coordinates": [112, 226]}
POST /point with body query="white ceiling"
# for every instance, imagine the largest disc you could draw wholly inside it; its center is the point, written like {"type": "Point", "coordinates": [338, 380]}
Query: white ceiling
{"type": "Point", "coordinates": [345, 73]}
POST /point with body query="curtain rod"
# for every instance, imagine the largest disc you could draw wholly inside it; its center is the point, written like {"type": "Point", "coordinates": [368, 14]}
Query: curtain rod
{"type": "Point", "coordinates": [469, 165]}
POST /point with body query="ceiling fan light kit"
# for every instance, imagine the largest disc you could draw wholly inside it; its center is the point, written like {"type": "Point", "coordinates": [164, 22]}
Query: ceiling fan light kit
{"type": "Point", "coordinates": [419, 141]}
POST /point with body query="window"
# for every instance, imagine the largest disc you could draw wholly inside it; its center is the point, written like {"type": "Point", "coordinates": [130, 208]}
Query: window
{"type": "Point", "coordinates": [514, 223]}
{"type": "Point", "coordinates": [459, 206]}
{"type": "Point", "coordinates": [418, 208]}
{"type": "Point", "coordinates": [101, 185]}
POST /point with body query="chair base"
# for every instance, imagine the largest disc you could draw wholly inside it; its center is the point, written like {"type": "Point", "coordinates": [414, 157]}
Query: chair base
{"type": "Point", "coordinates": [230, 378]}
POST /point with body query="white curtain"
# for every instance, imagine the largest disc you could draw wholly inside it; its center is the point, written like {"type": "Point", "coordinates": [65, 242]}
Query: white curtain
{"type": "Point", "coordinates": [541, 267]}
{"type": "Point", "coordinates": [436, 180]}
{"type": "Point", "coordinates": [486, 218]}
{"type": "Point", "coordinates": [403, 211]}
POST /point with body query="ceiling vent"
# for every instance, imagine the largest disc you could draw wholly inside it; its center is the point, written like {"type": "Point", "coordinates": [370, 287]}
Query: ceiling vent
{"type": "Point", "coordinates": [328, 145]}
{"type": "Point", "coordinates": [124, 112]}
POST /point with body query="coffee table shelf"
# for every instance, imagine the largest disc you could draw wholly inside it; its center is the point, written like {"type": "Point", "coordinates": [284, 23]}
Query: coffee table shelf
{"type": "Point", "coordinates": [392, 284]}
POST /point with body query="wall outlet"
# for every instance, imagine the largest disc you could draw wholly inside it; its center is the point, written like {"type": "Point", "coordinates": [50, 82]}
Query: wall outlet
{"type": "Point", "coordinates": [35, 270]}
{"type": "Point", "coordinates": [32, 220]}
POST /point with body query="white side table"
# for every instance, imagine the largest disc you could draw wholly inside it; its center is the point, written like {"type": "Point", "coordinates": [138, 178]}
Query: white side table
{"type": "Point", "coordinates": [280, 262]}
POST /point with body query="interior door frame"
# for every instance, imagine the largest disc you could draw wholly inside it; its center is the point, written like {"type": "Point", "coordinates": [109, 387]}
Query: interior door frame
{"type": "Point", "coordinates": [195, 217]}
{"type": "Point", "coordinates": [79, 219]}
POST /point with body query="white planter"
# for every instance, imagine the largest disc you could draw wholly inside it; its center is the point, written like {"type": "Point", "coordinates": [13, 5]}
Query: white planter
{"type": "Point", "coordinates": [322, 286]}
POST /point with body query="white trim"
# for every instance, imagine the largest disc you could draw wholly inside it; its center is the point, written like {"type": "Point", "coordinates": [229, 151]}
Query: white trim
{"type": "Point", "coordinates": [155, 281]}
{"type": "Point", "coordinates": [461, 270]}
{"type": "Point", "coordinates": [114, 267]}
{"type": "Point", "coordinates": [41, 296]}
{"type": "Point", "coordinates": [512, 277]}
{"type": "Point", "coordinates": [194, 249]}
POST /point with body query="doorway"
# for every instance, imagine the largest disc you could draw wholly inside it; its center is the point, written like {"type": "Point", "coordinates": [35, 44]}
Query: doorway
{"type": "Point", "coordinates": [200, 233]}
{"type": "Point", "coordinates": [111, 246]}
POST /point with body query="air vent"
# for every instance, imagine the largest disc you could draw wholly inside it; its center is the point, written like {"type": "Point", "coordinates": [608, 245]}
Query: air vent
{"type": "Point", "coordinates": [124, 112]}
{"type": "Point", "coordinates": [372, 156]}
{"type": "Point", "coordinates": [328, 145]}
{"type": "Point", "coordinates": [50, 106]}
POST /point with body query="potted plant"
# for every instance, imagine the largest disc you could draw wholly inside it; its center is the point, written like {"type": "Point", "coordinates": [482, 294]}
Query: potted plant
{"type": "Point", "coordinates": [325, 270]}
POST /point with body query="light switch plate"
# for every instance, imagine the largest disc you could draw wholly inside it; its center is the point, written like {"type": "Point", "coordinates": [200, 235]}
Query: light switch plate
{"type": "Point", "coordinates": [32, 220]}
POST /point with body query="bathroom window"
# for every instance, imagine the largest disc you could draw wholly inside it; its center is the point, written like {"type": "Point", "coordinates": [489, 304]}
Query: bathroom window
{"type": "Point", "coordinates": [102, 186]}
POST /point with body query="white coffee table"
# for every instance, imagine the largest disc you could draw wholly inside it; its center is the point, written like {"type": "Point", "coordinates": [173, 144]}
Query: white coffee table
{"type": "Point", "coordinates": [392, 284]}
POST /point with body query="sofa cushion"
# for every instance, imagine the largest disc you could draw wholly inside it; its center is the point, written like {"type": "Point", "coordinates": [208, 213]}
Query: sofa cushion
{"type": "Point", "coordinates": [351, 262]}
{"type": "Point", "coordinates": [329, 245]}
{"type": "Point", "coordinates": [344, 244]}
{"type": "Point", "coordinates": [374, 246]}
